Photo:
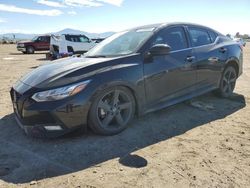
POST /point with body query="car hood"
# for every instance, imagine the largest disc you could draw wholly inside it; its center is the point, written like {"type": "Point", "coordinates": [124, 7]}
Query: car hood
{"type": "Point", "coordinates": [25, 41]}
{"type": "Point", "coordinates": [68, 70]}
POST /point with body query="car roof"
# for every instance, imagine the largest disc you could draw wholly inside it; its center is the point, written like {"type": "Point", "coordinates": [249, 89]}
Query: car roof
{"type": "Point", "coordinates": [162, 25]}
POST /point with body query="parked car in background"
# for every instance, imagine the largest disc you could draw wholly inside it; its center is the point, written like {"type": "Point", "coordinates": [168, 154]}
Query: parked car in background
{"type": "Point", "coordinates": [69, 44]}
{"type": "Point", "coordinates": [98, 40]}
{"type": "Point", "coordinates": [38, 43]}
{"type": "Point", "coordinates": [240, 41]}
{"type": "Point", "coordinates": [5, 40]}
{"type": "Point", "coordinates": [132, 72]}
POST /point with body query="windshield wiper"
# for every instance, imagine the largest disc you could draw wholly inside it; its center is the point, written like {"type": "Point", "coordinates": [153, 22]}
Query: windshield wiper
{"type": "Point", "coordinates": [96, 56]}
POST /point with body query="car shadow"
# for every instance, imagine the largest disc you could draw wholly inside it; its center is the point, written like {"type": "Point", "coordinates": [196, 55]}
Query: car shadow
{"type": "Point", "coordinates": [24, 159]}
{"type": "Point", "coordinates": [42, 59]}
{"type": "Point", "coordinates": [20, 53]}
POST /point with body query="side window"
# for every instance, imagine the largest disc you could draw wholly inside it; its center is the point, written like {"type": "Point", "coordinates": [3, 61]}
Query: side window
{"type": "Point", "coordinates": [70, 38]}
{"type": "Point", "coordinates": [83, 39]}
{"type": "Point", "coordinates": [77, 39]}
{"type": "Point", "coordinates": [43, 39]}
{"type": "Point", "coordinates": [199, 36]}
{"type": "Point", "coordinates": [174, 37]}
{"type": "Point", "coordinates": [213, 35]}
{"type": "Point", "coordinates": [47, 39]}
{"type": "Point", "coordinates": [67, 37]}
{"type": "Point", "coordinates": [39, 39]}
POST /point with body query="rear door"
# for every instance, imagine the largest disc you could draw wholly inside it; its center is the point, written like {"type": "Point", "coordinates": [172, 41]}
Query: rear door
{"type": "Point", "coordinates": [46, 42]}
{"type": "Point", "coordinates": [210, 56]}
{"type": "Point", "coordinates": [170, 76]}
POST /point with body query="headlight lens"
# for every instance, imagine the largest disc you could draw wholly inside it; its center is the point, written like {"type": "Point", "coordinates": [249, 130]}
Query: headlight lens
{"type": "Point", "coordinates": [21, 45]}
{"type": "Point", "coordinates": [60, 93]}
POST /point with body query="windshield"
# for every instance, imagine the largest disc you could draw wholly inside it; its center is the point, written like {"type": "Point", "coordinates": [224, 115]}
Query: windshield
{"type": "Point", "coordinates": [122, 43]}
{"type": "Point", "coordinates": [35, 38]}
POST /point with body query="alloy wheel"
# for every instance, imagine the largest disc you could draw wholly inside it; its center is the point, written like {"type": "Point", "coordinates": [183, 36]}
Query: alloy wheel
{"type": "Point", "coordinates": [229, 80]}
{"type": "Point", "coordinates": [114, 110]}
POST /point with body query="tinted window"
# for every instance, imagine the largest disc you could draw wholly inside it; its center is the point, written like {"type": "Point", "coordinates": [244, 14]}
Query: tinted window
{"type": "Point", "coordinates": [83, 39]}
{"type": "Point", "coordinates": [76, 38]}
{"type": "Point", "coordinates": [199, 36]}
{"type": "Point", "coordinates": [72, 38]}
{"type": "Point", "coordinates": [39, 39]}
{"type": "Point", "coordinates": [213, 35]}
{"type": "Point", "coordinates": [174, 37]}
{"type": "Point", "coordinates": [47, 39]}
{"type": "Point", "coordinates": [43, 39]}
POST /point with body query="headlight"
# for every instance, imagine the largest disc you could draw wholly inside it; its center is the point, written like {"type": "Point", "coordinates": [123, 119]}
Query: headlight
{"type": "Point", "coordinates": [20, 45]}
{"type": "Point", "coordinates": [60, 93]}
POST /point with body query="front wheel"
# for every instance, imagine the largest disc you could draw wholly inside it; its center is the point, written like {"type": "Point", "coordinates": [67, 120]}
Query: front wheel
{"type": "Point", "coordinates": [30, 50]}
{"type": "Point", "coordinates": [111, 111]}
{"type": "Point", "coordinates": [228, 81]}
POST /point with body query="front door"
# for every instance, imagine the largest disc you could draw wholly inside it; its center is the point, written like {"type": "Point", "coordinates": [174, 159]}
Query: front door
{"type": "Point", "coordinates": [42, 43]}
{"type": "Point", "coordinates": [170, 76]}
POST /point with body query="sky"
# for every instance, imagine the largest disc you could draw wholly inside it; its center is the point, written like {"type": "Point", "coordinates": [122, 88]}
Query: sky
{"type": "Point", "coordinates": [44, 16]}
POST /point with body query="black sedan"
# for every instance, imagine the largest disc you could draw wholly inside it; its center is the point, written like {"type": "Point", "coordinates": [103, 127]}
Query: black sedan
{"type": "Point", "coordinates": [130, 73]}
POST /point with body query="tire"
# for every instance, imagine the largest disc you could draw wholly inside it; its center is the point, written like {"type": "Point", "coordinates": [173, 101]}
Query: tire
{"type": "Point", "coordinates": [25, 52]}
{"type": "Point", "coordinates": [228, 81]}
{"type": "Point", "coordinates": [30, 50]}
{"type": "Point", "coordinates": [111, 111]}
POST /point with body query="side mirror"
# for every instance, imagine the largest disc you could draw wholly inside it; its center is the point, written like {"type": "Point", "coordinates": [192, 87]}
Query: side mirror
{"type": "Point", "coordinates": [159, 50]}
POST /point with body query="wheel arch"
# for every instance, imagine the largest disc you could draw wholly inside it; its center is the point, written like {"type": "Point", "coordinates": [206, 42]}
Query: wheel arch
{"type": "Point", "coordinates": [131, 87]}
{"type": "Point", "coordinates": [70, 49]}
{"type": "Point", "coordinates": [234, 62]}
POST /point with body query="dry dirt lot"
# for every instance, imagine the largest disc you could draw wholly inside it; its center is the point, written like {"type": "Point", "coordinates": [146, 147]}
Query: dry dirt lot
{"type": "Point", "coordinates": [187, 145]}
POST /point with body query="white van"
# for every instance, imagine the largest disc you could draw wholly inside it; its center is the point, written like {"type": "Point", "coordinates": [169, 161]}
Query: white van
{"type": "Point", "coordinates": [68, 44]}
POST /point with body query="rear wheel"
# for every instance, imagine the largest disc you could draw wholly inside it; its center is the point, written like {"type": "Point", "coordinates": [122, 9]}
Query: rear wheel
{"type": "Point", "coordinates": [111, 111]}
{"type": "Point", "coordinates": [228, 81]}
{"type": "Point", "coordinates": [30, 50]}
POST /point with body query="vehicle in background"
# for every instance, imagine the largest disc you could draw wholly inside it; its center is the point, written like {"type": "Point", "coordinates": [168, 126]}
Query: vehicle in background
{"type": "Point", "coordinates": [69, 44]}
{"type": "Point", "coordinates": [241, 41]}
{"type": "Point", "coordinates": [98, 40]}
{"type": "Point", "coordinates": [38, 43]}
{"type": "Point", "coordinates": [4, 41]}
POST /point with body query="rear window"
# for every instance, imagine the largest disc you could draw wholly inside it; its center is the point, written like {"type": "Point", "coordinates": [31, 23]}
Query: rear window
{"type": "Point", "coordinates": [199, 36]}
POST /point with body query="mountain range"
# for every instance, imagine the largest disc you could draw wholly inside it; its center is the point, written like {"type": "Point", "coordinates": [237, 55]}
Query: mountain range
{"type": "Point", "coordinates": [19, 36]}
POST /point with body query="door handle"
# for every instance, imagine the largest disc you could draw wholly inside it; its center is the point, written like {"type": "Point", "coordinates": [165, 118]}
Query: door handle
{"type": "Point", "coordinates": [213, 59]}
{"type": "Point", "coordinates": [190, 58]}
{"type": "Point", "coordinates": [223, 50]}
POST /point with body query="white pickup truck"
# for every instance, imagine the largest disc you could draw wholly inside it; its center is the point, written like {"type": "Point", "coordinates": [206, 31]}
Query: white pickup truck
{"type": "Point", "coordinates": [68, 44]}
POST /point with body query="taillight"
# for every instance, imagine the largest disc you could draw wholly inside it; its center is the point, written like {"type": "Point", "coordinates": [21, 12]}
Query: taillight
{"type": "Point", "coordinates": [241, 47]}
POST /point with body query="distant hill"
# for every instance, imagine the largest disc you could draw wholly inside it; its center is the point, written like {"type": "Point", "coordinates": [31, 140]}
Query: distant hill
{"type": "Point", "coordinates": [22, 36]}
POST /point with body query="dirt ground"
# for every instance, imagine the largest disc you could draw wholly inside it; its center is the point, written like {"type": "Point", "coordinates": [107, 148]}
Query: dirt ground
{"type": "Point", "coordinates": [204, 142]}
